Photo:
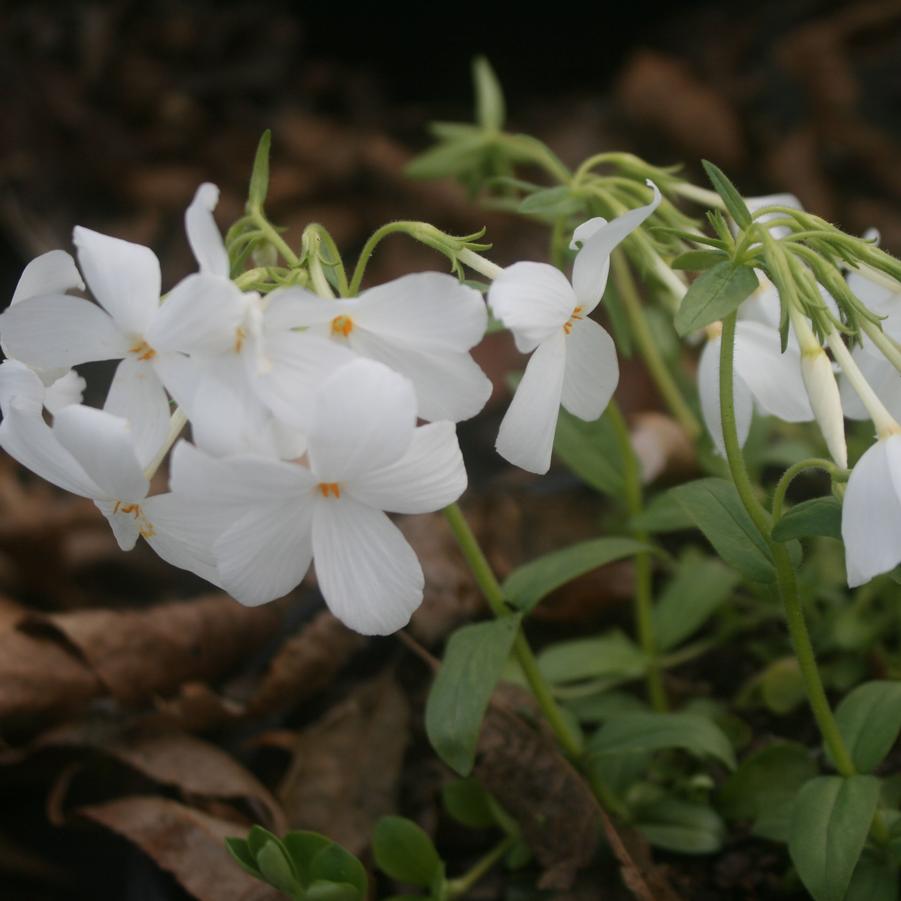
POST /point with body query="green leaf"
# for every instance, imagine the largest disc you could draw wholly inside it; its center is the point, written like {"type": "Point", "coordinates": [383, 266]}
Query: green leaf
{"type": "Point", "coordinates": [713, 295]}
{"type": "Point", "coordinates": [663, 513]}
{"type": "Point", "coordinates": [490, 108]}
{"type": "Point", "coordinates": [819, 516]}
{"type": "Point", "coordinates": [337, 865]}
{"type": "Point", "coordinates": [302, 847]}
{"type": "Point", "coordinates": [697, 260]}
{"type": "Point", "coordinates": [403, 851]}
{"type": "Point", "coordinates": [700, 586]}
{"type": "Point", "coordinates": [600, 707]}
{"type": "Point", "coordinates": [637, 732]}
{"type": "Point", "coordinates": [451, 158]}
{"type": "Point", "coordinates": [609, 655]}
{"type": "Point", "coordinates": [528, 584]}
{"type": "Point", "coordinates": [869, 719]}
{"type": "Point", "coordinates": [276, 868]}
{"type": "Point", "coordinates": [764, 786]}
{"type": "Point", "coordinates": [782, 685]}
{"type": "Point", "coordinates": [682, 826]}
{"type": "Point", "coordinates": [718, 512]}
{"type": "Point", "coordinates": [557, 201]}
{"type": "Point", "coordinates": [473, 662]}
{"type": "Point", "coordinates": [736, 206]}
{"type": "Point", "coordinates": [829, 826]}
{"type": "Point", "coordinates": [240, 851]}
{"type": "Point", "coordinates": [873, 880]}
{"type": "Point", "coordinates": [591, 451]}
{"type": "Point", "coordinates": [468, 803]}
{"type": "Point", "coordinates": [259, 178]}
{"type": "Point", "coordinates": [322, 890]}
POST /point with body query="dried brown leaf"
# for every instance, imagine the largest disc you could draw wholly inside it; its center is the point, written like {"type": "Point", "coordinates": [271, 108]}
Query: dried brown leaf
{"type": "Point", "coordinates": [184, 842]}
{"type": "Point", "coordinates": [646, 881]}
{"type": "Point", "coordinates": [346, 767]}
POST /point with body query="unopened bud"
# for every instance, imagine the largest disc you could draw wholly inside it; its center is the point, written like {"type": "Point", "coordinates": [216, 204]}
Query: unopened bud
{"type": "Point", "coordinates": [822, 388]}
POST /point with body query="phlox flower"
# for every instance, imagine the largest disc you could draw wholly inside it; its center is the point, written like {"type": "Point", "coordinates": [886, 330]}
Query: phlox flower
{"type": "Point", "coordinates": [573, 360]}
{"type": "Point", "coordinates": [871, 512]}
{"type": "Point", "coordinates": [421, 325]}
{"type": "Point", "coordinates": [365, 457]}
{"type": "Point", "coordinates": [94, 454]}
{"type": "Point", "coordinates": [53, 272]}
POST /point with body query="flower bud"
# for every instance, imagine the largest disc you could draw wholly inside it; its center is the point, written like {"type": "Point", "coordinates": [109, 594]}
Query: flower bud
{"type": "Point", "coordinates": [822, 388]}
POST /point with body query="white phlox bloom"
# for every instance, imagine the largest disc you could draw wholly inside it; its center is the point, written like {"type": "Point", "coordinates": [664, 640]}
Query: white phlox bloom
{"type": "Point", "coordinates": [573, 360]}
{"type": "Point", "coordinates": [93, 454]}
{"type": "Point", "coordinates": [871, 512]}
{"type": "Point", "coordinates": [882, 377]}
{"type": "Point", "coordinates": [422, 326]}
{"type": "Point", "coordinates": [251, 392]}
{"type": "Point", "coordinates": [762, 375]}
{"type": "Point", "coordinates": [366, 456]}
{"type": "Point", "coordinates": [51, 273]}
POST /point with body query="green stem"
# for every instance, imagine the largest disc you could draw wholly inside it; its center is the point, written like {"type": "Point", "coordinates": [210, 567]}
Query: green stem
{"type": "Point", "coordinates": [789, 475]}
{"type": "Point", "coordinates": [457, 888]}
{"type": "Point", "coordinates": [369, 247]}
{"type": "Point", "coordinates": [274, 238]}
{"type": "Point", "coordinates": [625, 286]}
{"type": "Point", "coordinates": [644, 610]}
{"type": "Point", "coordinates": [785, 574]}
{"type": "Point", "coordinates": [494, 594]}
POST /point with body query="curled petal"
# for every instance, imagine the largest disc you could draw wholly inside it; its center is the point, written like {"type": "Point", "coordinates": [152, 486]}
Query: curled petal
{"type": "Point", "coordinates": [526, 436]}
{"type": "Point", "coordinates": [369, 575]}
{"type": "Point", "coordinates": [871, 514]}
{"type": "Point", "coordinates": [203, 233]}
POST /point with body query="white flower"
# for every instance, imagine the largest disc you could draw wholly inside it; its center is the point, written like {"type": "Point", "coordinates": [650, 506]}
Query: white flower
{"type": "Point", "coordinates": [871, 512]}
{"type": "Point", "coordinates": [762, 373]}
{"type": "Point", "coordinates": [574, 361]}
{"type": "Point", "coordinates": [422, 326]}
{"type": "Point", "coordinates": [365, 457]}
{"type": "Point", "coordinates": [51, 273]}
{"type": "Point", "coordinates": [882, 377]}
{"type": "Point", "coordinates": [93, 454]}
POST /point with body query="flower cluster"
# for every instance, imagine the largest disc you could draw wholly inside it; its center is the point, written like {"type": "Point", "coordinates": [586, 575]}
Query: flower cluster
{"type": "Point", "coordinates": [303, 408]}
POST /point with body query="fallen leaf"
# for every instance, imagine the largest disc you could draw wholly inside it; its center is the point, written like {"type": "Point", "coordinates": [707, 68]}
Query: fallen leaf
{"type": "Point", "coordinates": [346, 768]}
{"type": "Point", "coordinates": [646, 881]}
{"type": "Point", "coordinates": [184, 842]}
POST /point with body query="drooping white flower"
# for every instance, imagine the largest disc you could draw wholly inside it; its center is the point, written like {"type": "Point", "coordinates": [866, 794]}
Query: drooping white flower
{"type": "Point", "coordinates": [573, 360]}
{"type": "Point", "coordinates": [366, 456]}
{"type": "Point", "coordinates": [51, 273]}
{"type": "Point", "coordinates": [421, 325]}
{"type": "Point", "coordinates": [93, 454]}
{"type": "Point", "coordinates": [871, 512]}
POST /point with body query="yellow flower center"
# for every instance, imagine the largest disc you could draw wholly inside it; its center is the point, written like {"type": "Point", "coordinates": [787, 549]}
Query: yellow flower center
{"type": "Point", "coordinates": [142, 350]}
{"type": "Point", "coordinates": [329, 488]}
{"type": "Point", "coordinates": [576, 314]}
{"type": "Point", "coordinates": [342, 325]}
{"type": "Point", "coordinates": [240, 337]}
{"type": "Point", "coordinates": [145, 527]}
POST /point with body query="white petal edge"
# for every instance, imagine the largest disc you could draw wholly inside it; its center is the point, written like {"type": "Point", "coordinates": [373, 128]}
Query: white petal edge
{"type": "Point", "coordinates": [592, 370]}
{"type": "Point", "coordinates": [203, 233]}
{"type": "Point", "coordinates": [53, 272]}
{"type": "Point", "coordinates": [709, 390]}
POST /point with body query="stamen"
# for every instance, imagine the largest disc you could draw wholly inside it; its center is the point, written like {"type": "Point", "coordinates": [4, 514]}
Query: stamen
{"type": "Point", "coordinates": [327, 488]}
{"type": "Point", "coordinates": [142, 350]}
{"type": "Point", "coordinates": [576, 314]}
{"type": "Point", "coordinates": [145, 527]}
{"type": "Point", "coordinates": [342, 325]}
{"type": "Point", "coordinates": [240, 337]}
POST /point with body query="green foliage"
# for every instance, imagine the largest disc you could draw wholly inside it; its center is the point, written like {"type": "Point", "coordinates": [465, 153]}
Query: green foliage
{"type": "Point", "coordinates": [686, 827]}
{"type": "Point", "coordinates": [638, 732]}
{"type": "Point", "coordinates": [529, 584]}
{"type": "Point", "coordinates": [304, 866]}
{"type": "Point", "coordinates": [819, 516]}
{"type": "Point", "coordinates": [869, 719]}
{"type": "Point", "coordinates": [468, 803]}
{"type": "Point", "coordinates": [591, 451]}
{"type": "Point", "coordinates": [699, 587]}
{"type": "Point", "coordinates": [405, 853]}
{"type": "Point", "coordinates": [490, 107]}
{"type": "Point", "coordinates": [612, 656]}
{"type": "Point", "coordinates": [736, 206]}
{"type": "Point", "coordinates": [697, 260]}
{"type": "Point", "coordinates": [829, 825]}
{"type": "Point", "coordinates": [259, 177]}
{"type": "Point", "coordinates": [715, 294]}
{"type": "Point", "coordinates": [473, 662]}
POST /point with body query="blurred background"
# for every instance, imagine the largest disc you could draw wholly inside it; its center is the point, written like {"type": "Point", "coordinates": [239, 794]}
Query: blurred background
{"type": "Point", "coordinates": [112, 114]}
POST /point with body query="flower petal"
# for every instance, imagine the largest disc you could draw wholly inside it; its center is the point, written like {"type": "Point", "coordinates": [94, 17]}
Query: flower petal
{"type": "Point", "coordinates": [203, 233]}
{"type": "Point", "coordinates": [267, 552]}
{"type": "Point", "coordinates": [137, 395]}
{"type": "Point", "coordinates": [369, 575]}
{"type": "Point", "coordinates": [773, 377]}
{"type": "Point", "coordinates": [58, 330]}
{"type": "Point", "coordinates": [592, 263]}
{"type": "Point", "coordinates": [50, 273]}
{"type": "Point", "coordinates": [429, 476]}
{"type": "Point", "coordinates": [126, 527]}
{"type": "Point", "coordinates": [290, 308]}
{"type": "Point", "coordinates": [363, 419]}
{"type": "Point", "coordinates": [201, 314]}
{"type": "Point", "coordinates": [883, 378]}
{"type": "Point", "coordinates": [20, 385]}
{"type": "Point", "coordinates": [428, 310]}
{"type": "Point", "coordinates": [592, 370]}
{"type": "Point", "coordinates": [448, 385]}
{"type": "Point", "coordinates": [124, 277]}
{"type": "Point", "coordinates": [526, 435]}
{"type": "Point", "coordinates": [709, 390]}
{"type": "Point", "coordinates": [68, 389]}
{"type": "Point", "coordinates": [104, 446]}
{"type": "Point", "coordinates": [871, 514]}
{"type": "Point", "coordinates": [533, 300]}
